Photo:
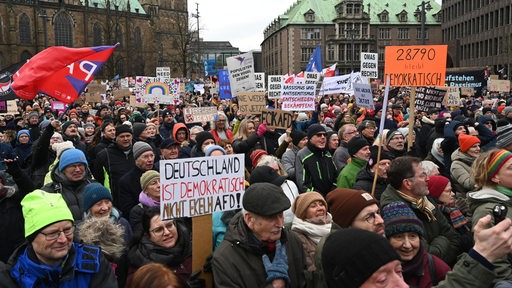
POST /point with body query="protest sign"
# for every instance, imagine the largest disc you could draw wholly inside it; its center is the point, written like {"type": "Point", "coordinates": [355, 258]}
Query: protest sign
{"type": "Point", "coordinates": [199, 186]}
{"type": "Point", "coordinates": [199, 114]}
{"type": "Point", "coordinates": [423, 65]}
{"type": "Point", "coordinates": [151, 90]}
{"type": "Point", "coordinates": [96, 88]}
{"type": "Point", "coordinates": [341, 84]}
{"type": "Point", "coordinates": [277, 118]}
{"type": "Point", "coordinates": [311, 77]}
{"type": "Point", "coordinates": [428, 98]}
{"type": "Point", "coordinates": [298, 97]}
{"type": "Point", "coordinates": [251, 102]}
{"type": "Point", "coordinates": [135, 103]}
{"type": "Point", "coordinates": [259, 81]}
{"type": "Point", "coordinates": [364, 95]}
{"type": "Point", "coordinates": [241, 73]}
{"type": "Point", "coordinates": [8, 107]}
{"type": "Point", "coordinates": [452, 96]}
{"type": "Point", "coordinates": [274, 86]}
{"type": "Point", "coordinates": [121, 93]}
{"type": "Point", "coordinates": [370, 65]}
{"type": "Point", "coordinates": [467, 91]}
{"type": "Point", "coordinates": [163, 74]}
{"type": "Point", "coordinates": [498, 85]}
{"type": "Point", "coordinates": [57, 105]}
{"type": "Point", "coordinates": [224, 87]}
{"type": "Point", "coordinates": [93, 97]}
{"type": "Point", "coordinates": [466, 78]}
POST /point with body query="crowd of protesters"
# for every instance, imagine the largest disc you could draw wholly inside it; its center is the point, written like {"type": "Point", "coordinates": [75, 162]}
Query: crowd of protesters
{"type": "Point", "coordinates": [88, 176]}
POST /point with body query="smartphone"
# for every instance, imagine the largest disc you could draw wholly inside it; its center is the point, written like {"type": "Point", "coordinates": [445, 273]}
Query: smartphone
{"type": "Point", "coordinates": [499, 212]}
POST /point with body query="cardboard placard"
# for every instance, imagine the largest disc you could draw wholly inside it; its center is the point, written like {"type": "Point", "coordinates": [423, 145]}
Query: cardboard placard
{"type": "Point", "coordinates": [93, 97]}
{"type": "Point", "coordinates": [119, 94]}
{"type": "Point", "coordinates": [277, 118]}
{"type": "Point", "coordinates": [498, 85]}
{"type": "Point", "coordinates": [467, 91]}
{"type": "Point", "coordinates": [96, 88]}
{"type": "Point", "coordinates": [452, 96]}
{"type": "Point", "coordinates": [251, 102]}
{"type": "Point", "coordinates": [423, 65]}
{"type": "Point", "coordinates": [428, 98]}
{"type": "Point", "coordinates": [134, 103]}
{"type": "Point", "coordinates": [201, 185]}
{"type": "Point", "coordinates": [199, 114]}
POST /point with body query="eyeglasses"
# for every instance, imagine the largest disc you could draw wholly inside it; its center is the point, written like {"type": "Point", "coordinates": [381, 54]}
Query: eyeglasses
{"type": "Point", "coordinates": [349, 133]}
{"type": "Point", "coordinates": [159, 231]}
{"type": "Point", "coordinates": [370, 218]}
{"type": "Point", "coordinates": [321, 134]}
{"type": "Point", "coordinates": [54, 235]}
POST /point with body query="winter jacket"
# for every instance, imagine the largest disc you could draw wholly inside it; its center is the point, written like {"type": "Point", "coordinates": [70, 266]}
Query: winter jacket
{"type": "Point", "coordinates": [246, 147]}
{"type": "Point", "coordinates": [347, 177]}
{"type": "Point", "coordinates": [84, 267]}
{"type": "Point", "coordinates": [237, 262]}
{"type": "Point", "coordinates": [439, 239]}
{"type": "Point", "coordinates": [42, 156]}
{"type": "Point", "coordinates": [341, 156]}
{"type": "Point", "coordinates": [217, 137]}
{"type": "Point", "coordinates": [129, 190]}
{"type": "Point", "coordinates": [481, 203]}
{"type": "Point", "coordinates": [315, 170]}
{"type": "Point", "coordinates": [417, 272]}
{"type": "Point", "coordinates": [427, 125]}
{"type": "Point", "coordinates": [460, 172]}
{"type": "Point", "coordinates": [71, 191]}
{"type": "Point", "coordinates": [288, 161]}
{"type": "Point", "coordinates": [364, 181]}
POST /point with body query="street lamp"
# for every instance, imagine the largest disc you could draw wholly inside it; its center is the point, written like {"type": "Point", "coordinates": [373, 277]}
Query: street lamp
{"type": "Point", "coordinates": [196, 15]}
{"type": "Point", "coordinates": [425, 6]}
{"type": "Point", "coordinates": [351, 32]}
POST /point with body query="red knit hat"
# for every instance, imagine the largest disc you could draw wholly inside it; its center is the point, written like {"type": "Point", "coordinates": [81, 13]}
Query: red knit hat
{"type": "Point", "coordinates": [256, 155]}
{"type": "Point", "coordinates": [436, 185]}
{"type": "Point", "coordinates": [466, 141]}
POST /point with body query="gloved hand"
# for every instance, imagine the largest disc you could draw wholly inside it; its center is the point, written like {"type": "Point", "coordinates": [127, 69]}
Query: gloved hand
{"type": "Point", "coordinates": [195, 282]}
{"type": "Point", "coordinates": [278, 269]}
{"type": "Point", "coordinates": [207, 267]}
{"type": "Point", "coordinates": [262, 129]}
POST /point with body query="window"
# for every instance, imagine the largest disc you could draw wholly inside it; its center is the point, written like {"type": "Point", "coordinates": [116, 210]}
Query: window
{"type": "Point", "coordinates": [1, 32]}
{"type": "Point", "coordinates": [120, 66]}
{"type": "Point", "coordinates": [384, 33]}
{"type": "Point", "coordinates": [306, 54]}
{"type": "Point", "coordinates": [119, 35]}
{"type": "Point", "coordinates": [97, 35]}
{"type": "Point", "coordinates": [63, 30]}
{"type": "Point", "coordinates": [402, 17]}
{"type": "Point", "coordinates": [310, 33]}
{"type": "Point", "coordinates": [25, 55]}
{"type": "Point", "coordinates": [309, 16]}
{"type": "Point", "coordinates": [418, 33]}
{"type": "Point", "coordinates": [384, 16]}
{"type": "Point", "coordinates": [24, 23]}
{"type": "Point", "coordinates": [138, 40]}
{"type": "Point", "coordinates": [330, 53]}
{"type": "Point", "coordinates": [403, 33]}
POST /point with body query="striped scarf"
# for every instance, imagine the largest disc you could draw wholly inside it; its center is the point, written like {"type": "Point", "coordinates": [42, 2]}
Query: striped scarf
{"type": "Point", "coordinates": [421, 204]}
{"type": "Point", "coordinates": [456, 217]}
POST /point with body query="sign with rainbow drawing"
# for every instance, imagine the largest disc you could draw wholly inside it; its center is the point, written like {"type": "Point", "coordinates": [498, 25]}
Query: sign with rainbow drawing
{"type": "Point", "coordinates": [152, 90]}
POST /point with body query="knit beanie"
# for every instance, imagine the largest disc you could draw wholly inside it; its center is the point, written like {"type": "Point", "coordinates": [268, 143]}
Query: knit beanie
{"type": "Point", "coordinates": [140, 147]}
{"type": "Point", "coordinates": [383, 155]}
{"type": "Point", "coordinates": [89, 125]}
{"type": "Point", "coordinates": [467, 141]}
{"type": "Point", "coordinates": [297, 136]}
{"type": "Point", "coordinates": [93, 193]}
{"type": "Point", "coordinates": [355, 144]}
{"type": "Point", "coordinates": [391, 134]}
{"type": "Point", "coordinates": [66, 124]}
{"type": "Point", "coordinates": [41, 209]}
{"type": "Point", "coordinates": [165, 113]}
{"type": "Point", "coordinates": [496, 161]}
{"type": "Point", "coordinates": [137, 129]}
{"type": "Point", "coordinates": [344, 204]}
{"type": "Point", "coordinates": [21, 132]}
{"type": "Point", "coordinates": [507, 110]}
{"type": "Point", "coordinates": [104, 125]}
{"type": "Point", "coordinates": [399, 218]}
{"type": "Point", "coordinates": [72, 156]}
{"type": "Point", "coordinates": [404, 131]}
{"type": "Point", "coordinates": [210, 148]}
{"type": "Point", "coordinates": [203, 136]}
{"type": "Point", "coordinates": [504, 136]}
{"type": "Point", "coordinates": [33, 114]}
{"type": "Point", "coordinates": [365, 124]}
{"type": "Point", "coordinates": [302, 202]}
{"type": "Point", "coordinates": [266, 174]}
{"type": "Point", "coordinates": [147, 177]}
{"type": "Point", "coordinates": [436, 185]}
{"type": "Point", "coordinates": [350, 256]}
{"type": "Point", "coordinates": [123, 129]}
{"type": "Point", "coordinates": [314, 129]}
{"type": "Point", "coordinates": [256, 155]}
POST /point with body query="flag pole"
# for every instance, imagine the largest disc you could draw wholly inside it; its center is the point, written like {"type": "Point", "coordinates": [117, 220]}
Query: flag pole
{"type": "Point", "coordinates": [381, 128]}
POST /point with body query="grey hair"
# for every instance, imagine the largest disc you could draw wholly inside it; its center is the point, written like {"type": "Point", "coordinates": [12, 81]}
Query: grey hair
{"type": "Point", "coordinates": [428, 166]}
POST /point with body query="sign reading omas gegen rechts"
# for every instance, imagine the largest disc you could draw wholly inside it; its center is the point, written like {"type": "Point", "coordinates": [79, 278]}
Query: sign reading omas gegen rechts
{"type": "Point", "coordinates": [423, 65]}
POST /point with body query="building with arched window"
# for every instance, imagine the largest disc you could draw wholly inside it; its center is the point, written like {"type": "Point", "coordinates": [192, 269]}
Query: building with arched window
{"type": "Point", "coordinates": [145, 31]}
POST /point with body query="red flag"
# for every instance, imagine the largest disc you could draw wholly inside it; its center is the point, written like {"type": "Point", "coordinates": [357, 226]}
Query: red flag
{"type": "Point", "coordinates": [300, 75]}
{"type": "Point", "coordinates": [329, 71]}
{"type": "Point", "coordinates": [288, 79]}
{"type": "Point", "coordinates": [60, 72]}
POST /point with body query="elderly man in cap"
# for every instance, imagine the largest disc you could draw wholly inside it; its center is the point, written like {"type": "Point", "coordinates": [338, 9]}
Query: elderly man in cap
{"type": "Point", "coordinates": [70, 133]}
{"type": "Point", "coordinates": [314, 167]}
{"type": "Point", "coordinates": [367, 129]}
{"type": "Point", "coordinates": [115, 161]}
{"type": "Point", "coordinates": [395, 143]}
{"type": "Point", "coordinates": [69, 179]}
{"type": "Point", "coordinates": [257, 251]}
{"type": "Point", "coordinates": [51, 258]}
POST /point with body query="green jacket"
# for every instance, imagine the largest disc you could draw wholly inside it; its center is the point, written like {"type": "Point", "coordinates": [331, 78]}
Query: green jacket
{"type": "Point", "coordinates": [348, 174]}
{"type": "Point", "coordinates": [481, 203]}
{"type": "Point", "coordinates": [468, 273]}
{"type": "Point", "coordinates": [440, 239]}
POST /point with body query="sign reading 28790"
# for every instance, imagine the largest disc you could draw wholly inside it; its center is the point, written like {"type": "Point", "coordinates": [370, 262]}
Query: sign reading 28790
{"type": "Point", "coordinates": [423, 65]}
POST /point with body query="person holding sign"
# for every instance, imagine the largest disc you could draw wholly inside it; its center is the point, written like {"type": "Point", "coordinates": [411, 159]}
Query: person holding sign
{"type": "Point", "coordinates": [257, 251]}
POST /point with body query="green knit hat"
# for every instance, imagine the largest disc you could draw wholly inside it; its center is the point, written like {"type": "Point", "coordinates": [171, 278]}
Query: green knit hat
{"type": "Point", "coordinates": [41, 209]}
{"type": "Point", "coordinates": [147, 177]}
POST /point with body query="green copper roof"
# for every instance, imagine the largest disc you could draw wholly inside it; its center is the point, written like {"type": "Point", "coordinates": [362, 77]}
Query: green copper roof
{"type": "Point", "coordinates": [123, 5]}
{"type": "Point", "coordinates": [325, 11]}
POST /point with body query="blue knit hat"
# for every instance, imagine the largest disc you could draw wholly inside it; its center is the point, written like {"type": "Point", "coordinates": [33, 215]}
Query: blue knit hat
{"type": "Point", "coordinates": [399, 218]}
{"type": "Point", "coordinates": [72, 156]}
{"type": "Point", "coordinates": [24, 131]}
{"type": "Point", "coordinates": [93, 193]}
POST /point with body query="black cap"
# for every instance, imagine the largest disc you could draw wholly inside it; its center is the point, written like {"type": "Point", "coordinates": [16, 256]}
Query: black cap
{"type": "Point", "coordinates": [266, 174]}
{"type": "Point", "coordinates": [265, 199]}
{"type": "Point", "coordinates": [123, 128]}
{"type": "Point", "coordinates": [168, 143]}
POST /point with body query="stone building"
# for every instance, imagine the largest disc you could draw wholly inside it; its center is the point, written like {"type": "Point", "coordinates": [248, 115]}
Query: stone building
{"type": "Point", "coordinates": [150, 34]}
{"type": "Point", "coordinates": [344, 29]}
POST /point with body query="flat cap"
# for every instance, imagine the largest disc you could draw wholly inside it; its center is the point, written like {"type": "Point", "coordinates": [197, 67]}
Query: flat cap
{"type": "Point", "coordinates": [265, 199]}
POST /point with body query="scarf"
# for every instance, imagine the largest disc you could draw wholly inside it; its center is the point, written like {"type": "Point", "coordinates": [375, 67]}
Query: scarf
{"type": "Point", "coordinates": [314, 231]}
{"type": "Point", "coordinates": [504, 190]}
{"type": "Point", "coordinates": [456, 217]}
{"type": "Point", "coordinates": [148, 201]}
{"type": "Point", "coordinates": [421, 204]}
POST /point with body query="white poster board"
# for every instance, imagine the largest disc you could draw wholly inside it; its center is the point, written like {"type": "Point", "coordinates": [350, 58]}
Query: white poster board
{"type": "Point", "coordinates": [241, 73]}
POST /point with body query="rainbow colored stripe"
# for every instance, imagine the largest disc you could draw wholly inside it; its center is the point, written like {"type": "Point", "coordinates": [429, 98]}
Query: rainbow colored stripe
{"type": "Point", "coordinates": [157, 88]}
{"type": "Point", "coordinates": [497, 160]}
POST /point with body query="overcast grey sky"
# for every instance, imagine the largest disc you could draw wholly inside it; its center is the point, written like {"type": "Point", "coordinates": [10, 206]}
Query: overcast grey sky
{"type": "Point", "coordinates": [240, 22]}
